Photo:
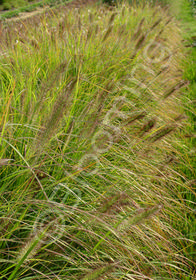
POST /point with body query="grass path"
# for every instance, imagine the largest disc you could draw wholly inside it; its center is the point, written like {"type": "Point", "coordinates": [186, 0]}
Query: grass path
{"type": "Point", "coordinates": [29, 9]}
{"type": "Point", "coordinates": [40, 8]}
{"type": "Point", "coordinates": [184, 12]}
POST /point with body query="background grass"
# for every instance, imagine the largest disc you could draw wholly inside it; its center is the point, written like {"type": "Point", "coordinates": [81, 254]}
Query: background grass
{"type": "Point", "coordinates": [9, 4]}
{"type": "Point", "coordinates": [14, 9]}
{"type": "Point", "coordinates": [90, 125]}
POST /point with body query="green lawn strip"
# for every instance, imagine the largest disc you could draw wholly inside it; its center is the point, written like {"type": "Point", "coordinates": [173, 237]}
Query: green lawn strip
{"type": "Point", "coordinates": [184, 12]}
{"type": "Point", "coordinates": [31, 7]}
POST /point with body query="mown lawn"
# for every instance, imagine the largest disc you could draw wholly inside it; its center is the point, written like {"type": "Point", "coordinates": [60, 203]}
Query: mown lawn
{"type": "Point", "coordinates": [185, 12]}
{"type": "Point", "coordinates": [11, 9]}
{"type": "Point", "coordinates": [9, 4]}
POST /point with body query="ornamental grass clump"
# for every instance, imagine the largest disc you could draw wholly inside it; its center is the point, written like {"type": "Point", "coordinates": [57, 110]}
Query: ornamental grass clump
{"type": "Point", "coordinates": [89, 114]}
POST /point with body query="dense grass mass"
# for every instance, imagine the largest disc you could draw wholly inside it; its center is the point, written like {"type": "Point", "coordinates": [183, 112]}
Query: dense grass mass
{"type": "Point", "coordinates": [90, 119]}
